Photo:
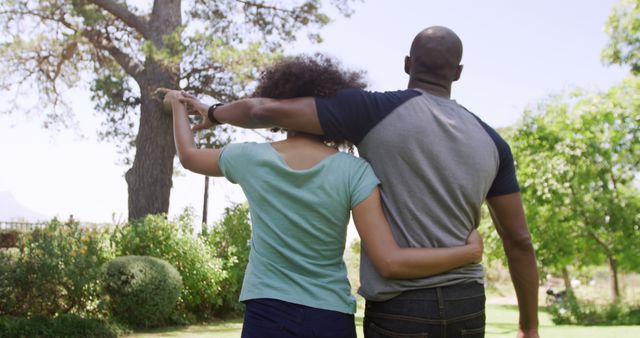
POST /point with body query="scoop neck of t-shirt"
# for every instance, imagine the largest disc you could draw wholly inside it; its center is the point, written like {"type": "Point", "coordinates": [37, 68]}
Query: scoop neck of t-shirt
{"type": "Point", "coordinates": [286, 165]}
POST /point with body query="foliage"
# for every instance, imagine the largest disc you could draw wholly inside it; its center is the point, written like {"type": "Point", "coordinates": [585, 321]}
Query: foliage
{"type": "Point", "coordinates": [128, 49]}
{"type": "Point", "coordinates": [623, 28]}
{"type": "Point", "coordinates": [229, 240]}
{"type": "Point", "coordinates": [56, 270]}
{"type": "Point", "coordinates": [66, 325]}
{"type": "Point", "coordinates": [218, 49]}
{"type": "Point", "coordinates": [355, 247]}
{"type": "Point", "coordinates": [53, 271]}
{"type": "Point", "coordinates": [175, 242]}
{"type": "Point", "coordinates": [142, 291]}
{"type": "Point", "coordinates": [570, 311]}
{"type": "Point", "coordinates": [578, 163]}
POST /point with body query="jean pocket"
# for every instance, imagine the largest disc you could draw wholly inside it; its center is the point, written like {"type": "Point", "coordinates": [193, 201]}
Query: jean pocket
{"type": "Point", "coordinates": [374, 331]}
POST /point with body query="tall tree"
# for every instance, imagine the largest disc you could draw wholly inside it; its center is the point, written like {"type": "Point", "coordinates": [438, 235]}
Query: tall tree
{"type": "Point", "coordinates": [623, 28]}
{"type": "Point", "coordinates": [125, 50]}
{"type": "Point", "coordinates": [578, 162]}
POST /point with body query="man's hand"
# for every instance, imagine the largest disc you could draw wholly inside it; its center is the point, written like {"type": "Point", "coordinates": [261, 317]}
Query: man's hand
{"type": "Point", "coordinates": [475, 241]}
{"type": "Point", "coordinates": [199, 108]}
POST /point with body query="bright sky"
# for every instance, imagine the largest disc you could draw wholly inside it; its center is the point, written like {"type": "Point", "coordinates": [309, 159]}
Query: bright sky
{"type": "Point", "coordinates": [516, 54]}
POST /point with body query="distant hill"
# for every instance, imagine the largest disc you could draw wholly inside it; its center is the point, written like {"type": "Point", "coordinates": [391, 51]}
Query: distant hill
{"type": "Point", "coordinates": [11, 210]}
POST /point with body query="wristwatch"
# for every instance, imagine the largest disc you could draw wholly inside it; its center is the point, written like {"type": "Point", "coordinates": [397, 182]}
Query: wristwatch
{"type": "Point", "coordinates": [211, 111]}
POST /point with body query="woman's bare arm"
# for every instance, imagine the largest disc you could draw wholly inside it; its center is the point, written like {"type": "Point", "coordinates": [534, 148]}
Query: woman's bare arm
{"type": "Point", "coordinates": [394, 262]}
{"type": "Point", "coordinates": [202, 161]}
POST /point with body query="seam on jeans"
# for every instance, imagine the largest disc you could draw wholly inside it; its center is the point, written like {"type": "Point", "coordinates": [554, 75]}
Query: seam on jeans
{"type": "Point", "coordinates": [373, 314]}
{"type": "Point", "coordinates": [435, 298]}
{"type": "Point", "coordinates": [472, 331]}
{"type": "Point", "coordinates": [465, 317]}
{"type": "Point", "coordinates": [464, 297]}
{"type": "Point", "coordinates": [440, 301]}
{"type": "Point", "coordinates": [386, 332]}
{"type": "Point", "coordinates": [405, 318]}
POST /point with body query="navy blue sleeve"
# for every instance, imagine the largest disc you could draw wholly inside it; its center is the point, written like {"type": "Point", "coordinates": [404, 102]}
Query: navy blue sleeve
{"type": "Point", "coordinates": [352, 113]}
{"type": "Point", "coordinates": [505, 181]}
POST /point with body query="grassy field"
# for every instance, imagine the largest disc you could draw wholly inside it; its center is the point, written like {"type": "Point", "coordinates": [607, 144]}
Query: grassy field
{"type": "Point", "coordinates": [501, 322]}
{"type": "Point", "coordinates": [502, 314]}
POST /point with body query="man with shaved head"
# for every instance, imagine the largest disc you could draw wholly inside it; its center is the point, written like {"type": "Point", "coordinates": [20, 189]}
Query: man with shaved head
{"type": "Point", "coordinates": [438, 163]}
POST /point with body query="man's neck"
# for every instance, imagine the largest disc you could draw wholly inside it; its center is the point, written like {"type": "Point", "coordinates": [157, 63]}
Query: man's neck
{"type": "Point", "coordinates": [431, 88]}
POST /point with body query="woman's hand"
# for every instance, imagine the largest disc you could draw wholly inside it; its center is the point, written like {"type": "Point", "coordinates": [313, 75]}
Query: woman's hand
{"type": "Point", "coordinates": [170, 96]}
{"type": "Point", "coordinates": [474, 241]}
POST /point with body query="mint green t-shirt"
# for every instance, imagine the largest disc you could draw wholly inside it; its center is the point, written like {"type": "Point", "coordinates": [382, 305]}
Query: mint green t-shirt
{"type": "Point", "coordinates": [299, 220]}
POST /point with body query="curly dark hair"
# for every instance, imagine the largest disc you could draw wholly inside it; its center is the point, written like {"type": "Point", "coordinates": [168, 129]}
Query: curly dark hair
{"type": "Point", "coordinates": [308, 75]}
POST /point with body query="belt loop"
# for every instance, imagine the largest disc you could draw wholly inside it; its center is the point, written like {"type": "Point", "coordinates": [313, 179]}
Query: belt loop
{"type": "Point", "coordinates": [440, 299]}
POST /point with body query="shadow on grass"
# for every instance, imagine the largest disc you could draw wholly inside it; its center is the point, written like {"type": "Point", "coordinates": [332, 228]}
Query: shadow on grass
{"type": "Point", "coordinates": [501, 329]}
{"type": "Point", "coordinates": [509, 307]}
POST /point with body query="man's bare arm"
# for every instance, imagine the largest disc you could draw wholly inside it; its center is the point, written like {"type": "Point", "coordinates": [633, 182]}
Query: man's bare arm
{"type": "Point", "coordinates": [296, 114]}
{"type": "Point", "coordinates": [508, 216]}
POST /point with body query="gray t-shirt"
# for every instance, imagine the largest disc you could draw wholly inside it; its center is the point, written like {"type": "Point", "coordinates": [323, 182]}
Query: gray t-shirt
{"type": "Point", "coordinates": [437, 163]}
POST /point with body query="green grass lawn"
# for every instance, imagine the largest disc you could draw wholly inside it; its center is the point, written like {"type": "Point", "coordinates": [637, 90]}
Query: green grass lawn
{"type": "Point", "coordinates": [501, 322]}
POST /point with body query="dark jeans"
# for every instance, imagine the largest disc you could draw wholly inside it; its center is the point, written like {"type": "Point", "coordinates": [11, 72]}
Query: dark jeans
{"type": "Point", "coordinates": [444, 312]}
{"type": "Point", "coordinates": [272, 318]}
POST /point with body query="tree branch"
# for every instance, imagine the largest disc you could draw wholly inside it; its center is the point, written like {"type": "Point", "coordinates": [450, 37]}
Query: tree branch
{"type": "Point", "coordinates": [130, 65]}
{"type": "Point", "coordinates": [263, 6]}
{"type": "Point", "coordinates": [125, 15]}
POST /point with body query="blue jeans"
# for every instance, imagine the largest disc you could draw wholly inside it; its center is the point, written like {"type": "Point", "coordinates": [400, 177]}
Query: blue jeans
{"type": "Point", "coordinates": [444, 312]}
{"type": "Point", "coordinates": [272, 318]}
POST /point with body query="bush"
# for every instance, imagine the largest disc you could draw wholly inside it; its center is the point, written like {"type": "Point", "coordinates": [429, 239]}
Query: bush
{"type": "Point", "coordinates": [142, 291]}
{"type": "Point", "coordinates": [175, 242]}
{"type": "Point", "coordinates": [570, 311]}
{"type": "Point", "coordinates": [52, 271]}
{"type": "Point", "coordinates": [66, 325]}
{"type": "Point", "coordinates": [229, 240]}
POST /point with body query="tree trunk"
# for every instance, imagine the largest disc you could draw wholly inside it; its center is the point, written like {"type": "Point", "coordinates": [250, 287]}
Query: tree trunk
{"type": "Point", "coordinates": [567, 279]}
{"type": "Point", "coordinates": [205, 204]}
{"type": "Point", "coordinates": [615, 286]}
{"type": "Point", "coordinates": [149, 180]}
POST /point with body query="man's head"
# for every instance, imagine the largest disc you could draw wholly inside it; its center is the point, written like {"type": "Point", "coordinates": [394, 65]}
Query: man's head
{"type": "Point", "coordinates": [435, 57]}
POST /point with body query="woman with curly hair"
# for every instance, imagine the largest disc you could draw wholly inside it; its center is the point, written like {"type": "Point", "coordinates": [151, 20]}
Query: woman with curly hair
{"type": "Point", "coordinates": [301, 191]}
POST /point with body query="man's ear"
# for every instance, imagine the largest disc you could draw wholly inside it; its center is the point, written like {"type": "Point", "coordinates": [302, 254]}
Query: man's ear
{"type": "Point", "coordinates": [456, 77]}
{"type": "Point", "coordinates": [407, 65]}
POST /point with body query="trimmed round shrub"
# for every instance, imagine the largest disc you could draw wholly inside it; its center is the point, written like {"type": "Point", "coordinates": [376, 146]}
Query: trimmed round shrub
{"type": "Point", "coordinates": [141, 291]}
{"type": "Point", "coordinates": [174, 241]}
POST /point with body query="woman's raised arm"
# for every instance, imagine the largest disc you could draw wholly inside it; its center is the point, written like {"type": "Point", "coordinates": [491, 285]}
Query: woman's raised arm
{"type": "Point", "coordinates": [201, 161]}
